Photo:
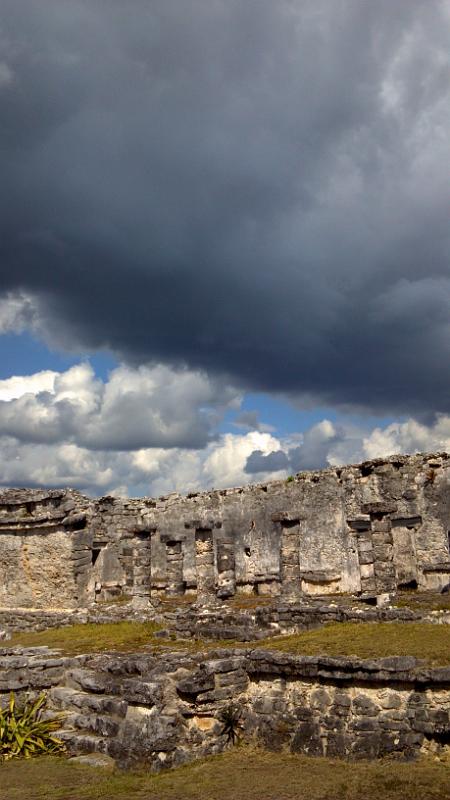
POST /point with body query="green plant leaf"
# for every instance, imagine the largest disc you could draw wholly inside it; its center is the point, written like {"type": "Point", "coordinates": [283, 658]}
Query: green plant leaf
{"type": "Point", "coordinates": [24, 733]}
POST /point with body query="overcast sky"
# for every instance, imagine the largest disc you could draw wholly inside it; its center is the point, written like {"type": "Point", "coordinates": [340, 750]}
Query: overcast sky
{"type": "Point", "coordinates": [224, 238]}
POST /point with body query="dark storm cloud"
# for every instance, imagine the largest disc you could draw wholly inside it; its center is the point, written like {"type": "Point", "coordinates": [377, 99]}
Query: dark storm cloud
{"type": "Point", "coordinates": [255, 188]}
{"type": "Point", "coordinates": [272, 462]}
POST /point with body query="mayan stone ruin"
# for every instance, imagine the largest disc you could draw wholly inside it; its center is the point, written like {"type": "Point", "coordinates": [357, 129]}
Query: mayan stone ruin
{"type": "Point", "coordinates": [367, 529]}
{"type": "Point", "coordinates": [330, 546]}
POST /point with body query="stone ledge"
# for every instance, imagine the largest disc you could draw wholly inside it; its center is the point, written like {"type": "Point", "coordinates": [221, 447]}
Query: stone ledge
{"type": "Point", "coordinates": [442, 567]}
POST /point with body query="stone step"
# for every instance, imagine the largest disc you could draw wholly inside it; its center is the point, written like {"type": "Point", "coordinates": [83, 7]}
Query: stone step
{"type": "Point", "coordinates": [98, 724]}
{"type": "Point", "coordinates": [69, 699]}
{"type": "Point", "coordinates": [87, 680]}
{"type": "Point", "coordinates": [82, 742]}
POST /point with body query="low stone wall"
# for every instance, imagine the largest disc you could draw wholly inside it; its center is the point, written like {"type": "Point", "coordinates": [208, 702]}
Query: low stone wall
{"type": "Point", "coordinates": [17, 620]}
{"type": "Point", "coordinates": [249, 625]}
{"type": "Point", "coordinates": [162, 711]}
{"type": "Point", "coordinates": [26, 620]}
{"type": "Point", "coordinates": [221, 621]}
{"type": "Point", "coordinates": [30, 670]}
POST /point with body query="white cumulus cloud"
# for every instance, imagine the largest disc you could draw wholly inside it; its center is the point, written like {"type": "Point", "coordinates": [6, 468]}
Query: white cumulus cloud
{"type": "Point", "coordinates": [135, 408]}
{"type": "Point", "coordinates": [154, 430]}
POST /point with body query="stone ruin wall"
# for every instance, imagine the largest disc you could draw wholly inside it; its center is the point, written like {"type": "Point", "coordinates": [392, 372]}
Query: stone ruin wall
{"type": "Point", "coordinates": [141, 709]}
{"type": "Point", "coordinates": [41, 547]}
{"type": "Point", "coordinates": [365, 529]}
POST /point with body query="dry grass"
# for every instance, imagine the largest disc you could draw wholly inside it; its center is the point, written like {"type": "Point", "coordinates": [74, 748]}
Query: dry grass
{"type": "Point", "coordinates": [371, 640]}
{"type": "Point", "coordinates": [92, 637]}
{"type": "Point", "coordinates": [239, 601]}
{"type": "Point", "coordinates": [365, 640]}
{"type": "Point", "coordinates": [239, 774]}
{"type": "Point", "coordinates": [176, 603]}
{"type": "Point", "coordinates": [114, 601]}
{"type": "Point", "coordinates": [423, 601]}
{"type": "Point", "coordinates": [243, 602]}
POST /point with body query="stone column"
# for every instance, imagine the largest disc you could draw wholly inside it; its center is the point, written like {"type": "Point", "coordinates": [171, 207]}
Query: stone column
{"type": "Point", "coordinates": [290, 558]}
{"type": "Point", "coordinates": [174, 573]}
{"type": "Point", "coordinates": [226, 580]}
{"type": "Point", "coordinates": [376, 551]}
{"type": "Point", "coordinates": [81, 564]}
{"type": "Point", "coordinates": [382, 541]}
{"type": "Point", "coordinates": [361, 526]}
{"type": "Point", "coordinates": [204, 562]}
{"type": "Point", "coordinates": [366, 558]}
{"type": "Point", "coordinates": [141, 569]}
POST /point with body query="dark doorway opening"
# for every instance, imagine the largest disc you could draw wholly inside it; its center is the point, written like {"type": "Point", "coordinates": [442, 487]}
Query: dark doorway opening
{"type": "Point", "coordinates": [411, 585]}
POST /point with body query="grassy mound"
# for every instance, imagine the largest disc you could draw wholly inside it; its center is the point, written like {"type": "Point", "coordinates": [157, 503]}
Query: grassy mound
{"type": "Point", "coordinates": [92, 637]}
{"type": "Point", "coordinates": [371, 640]}
{"type": "Point", "coordinates": [239, 774]}
{"type": "Point", "coordinates": [365, 640]}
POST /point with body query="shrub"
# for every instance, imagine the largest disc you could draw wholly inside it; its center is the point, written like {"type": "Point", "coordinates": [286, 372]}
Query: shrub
{"type": "Point", "coordinates": [230, 717]}
{"type": "Point", "coordinates": [24, 732]}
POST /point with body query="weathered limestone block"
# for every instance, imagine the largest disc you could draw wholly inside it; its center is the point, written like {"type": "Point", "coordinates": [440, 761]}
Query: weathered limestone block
{"type": "Point", "coordinates": [35, 570]}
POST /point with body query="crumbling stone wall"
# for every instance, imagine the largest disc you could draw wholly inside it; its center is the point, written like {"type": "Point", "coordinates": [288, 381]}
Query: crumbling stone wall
{"type": "Point", "coordinates": [364, 529]}
{"type": "Point", "coordinates": [44, 553]}
{"type": "Point", "coordinates": [164, 711]}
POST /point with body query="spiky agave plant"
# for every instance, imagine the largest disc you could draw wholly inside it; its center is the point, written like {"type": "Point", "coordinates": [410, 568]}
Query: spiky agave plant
{"type": "Point", "coordinates": [230, 717]}
{"type": "Point", "coordinates": [24, 732]}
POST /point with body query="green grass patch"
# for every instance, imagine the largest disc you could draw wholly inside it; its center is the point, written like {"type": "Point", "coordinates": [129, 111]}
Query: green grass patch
{"type": "Point", "coordinates": [370, 640]}
{"type": "Point", "coordinates": [239, 774]}
{"type": "Point", "coordinates": [242, 602]}
{"type": "Point", "coordinates": [91, 638]}
{"type": "Point", "coordinates": [114, 601]}
{"type": "Point", "coordinates": [423, 601]}
{"type": "Point", "coordinates": [364, 640]}
{"type": "Point", "coordinates": [176, 603]}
